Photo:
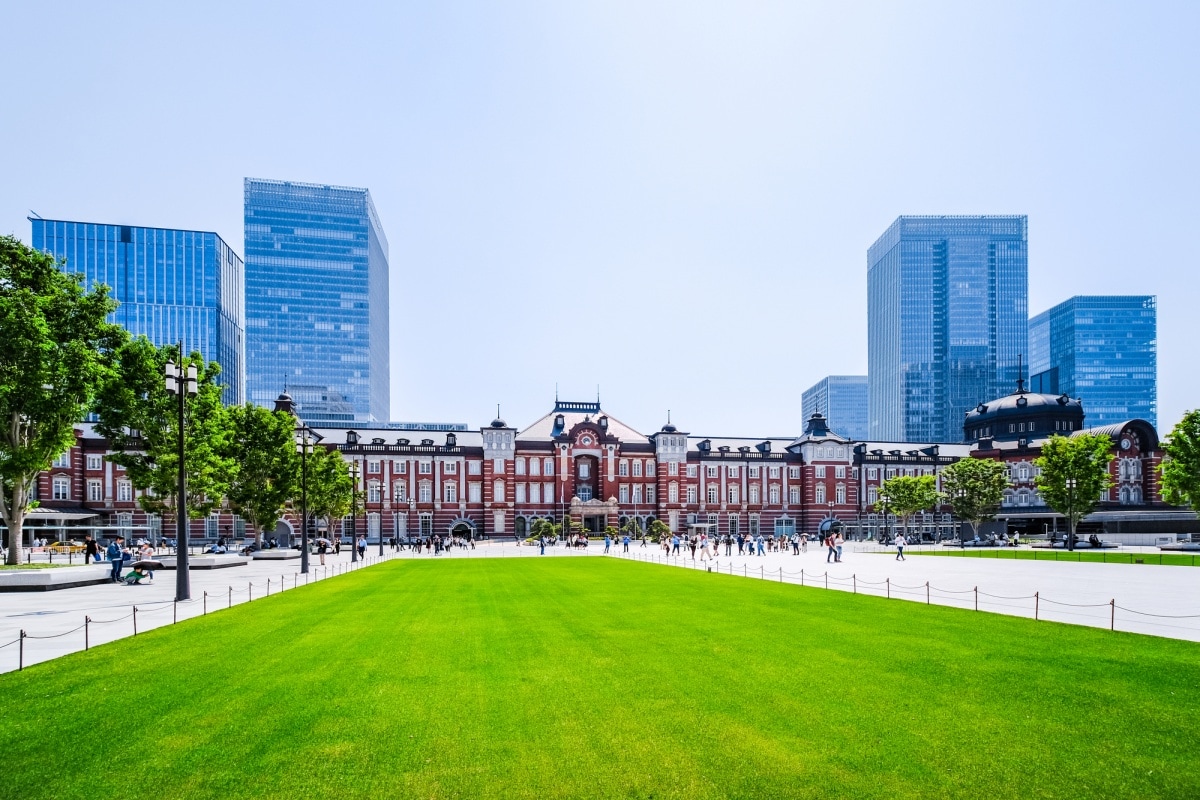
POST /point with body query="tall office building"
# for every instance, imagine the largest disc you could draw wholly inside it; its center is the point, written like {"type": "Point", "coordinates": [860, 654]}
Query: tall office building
{"type": "Point", "coordinates": [1103, 350]}
{"type": "Point", "coordinates": [317, 300]}
{"type": "Point", "coordinates": [842, 400]}
{"type": "Point", "coordinates": [947, 319]}
{"type": "Point", "coordinates": [171, 284]}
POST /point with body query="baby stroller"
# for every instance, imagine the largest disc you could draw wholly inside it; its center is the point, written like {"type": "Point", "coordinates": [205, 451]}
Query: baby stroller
{"type": "Point", "coordinates": [140, 570]}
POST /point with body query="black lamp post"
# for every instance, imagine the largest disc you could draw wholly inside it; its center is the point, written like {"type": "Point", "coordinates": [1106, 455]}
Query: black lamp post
{"type": "Point", "coordinates": [181, 382]}
{"type": "Point", "coordinates": [353, 511]}
{"type": "Point", "coordinates": [883, 500]}
{"type": "Point", "coordinates": [1070, 484]}
{"type": "Point", "coordinates": [412, 513]}
{"type": "Point", "coordinates": [305, 446]}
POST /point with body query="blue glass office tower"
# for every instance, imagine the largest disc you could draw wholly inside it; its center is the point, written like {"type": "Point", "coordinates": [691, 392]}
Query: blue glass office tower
{"type": "Point", "coordinates": [316, 298]}
{"type": "Point", "coordinates": [842, 400]}
{"type": "Point", "coordinates": [1103, 350]}
{"type": "Point", "coordinates": [947, 319]}
{"type": "Point", "coordinates": [172, 285]}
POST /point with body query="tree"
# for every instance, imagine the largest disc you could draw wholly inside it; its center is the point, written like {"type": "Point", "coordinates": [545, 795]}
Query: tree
{"type": "Point", "coordinates": [907, 495]}
{"type": "Point", "coordinates": [140, 419]}
{"type": "Point", "coordinates": [1073, 472]}
{"type": "Point", "coordinates": [658, 529]}
{"type": "Point", "coordinates": [975, 488]}
{"type": "Point", "coordinates": [56, 349]}
{"type": "Point", "coordinates": [262, 445]}
{"type": "Point", "coordinates": [1180, 468]}
{"type": "Point", "coordinates": [331, 492]}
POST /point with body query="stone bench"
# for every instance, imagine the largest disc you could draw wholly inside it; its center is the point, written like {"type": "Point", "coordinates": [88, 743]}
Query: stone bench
{"type": "Point", "coordinates": [275, 554]}
{"type": "Point", "coordinates": [207, 561]}
{"type": "Point", "coordinates": [49, 580]}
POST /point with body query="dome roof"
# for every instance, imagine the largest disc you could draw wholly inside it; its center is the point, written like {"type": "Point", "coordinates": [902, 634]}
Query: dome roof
{"type": "Point", "coordinates": [669, 428]}
{"type": "Point", "coordinates": [1022, 403]}
{"type": "Point", "coordinates": [499, 423]}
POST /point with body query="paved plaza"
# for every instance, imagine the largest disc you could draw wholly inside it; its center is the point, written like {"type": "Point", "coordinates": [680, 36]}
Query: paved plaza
{"type": "Point", "coordinates": [1149, 599]}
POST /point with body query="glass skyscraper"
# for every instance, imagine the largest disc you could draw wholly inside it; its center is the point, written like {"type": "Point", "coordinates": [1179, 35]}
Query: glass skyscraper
{"type": "Point", "coordinates": [947, 319]}
{"type": "Point", "coordinates": [171, 285]}
{"type": "Point", "coordinates": [317, 300]}
{"type": "Point", "coordinates": [842, 400]}
{"type": "Point", "coordinates": [1103, 350]}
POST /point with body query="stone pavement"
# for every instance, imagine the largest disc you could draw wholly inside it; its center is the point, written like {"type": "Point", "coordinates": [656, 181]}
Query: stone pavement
{"type": "Point", "coordinates": [1149, 599]}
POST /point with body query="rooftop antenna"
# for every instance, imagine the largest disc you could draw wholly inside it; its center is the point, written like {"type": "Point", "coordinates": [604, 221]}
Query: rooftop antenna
{"type": "Point", "coordinates": [1020, 374]}
{"type": "Point", "coordinates": [597, 394]}
{"type": "Point", "coordinates": [668, 416]}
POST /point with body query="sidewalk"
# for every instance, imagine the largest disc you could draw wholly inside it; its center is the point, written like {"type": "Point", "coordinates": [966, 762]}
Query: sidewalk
{"type": "Point", "coordinates": [1150, 599]}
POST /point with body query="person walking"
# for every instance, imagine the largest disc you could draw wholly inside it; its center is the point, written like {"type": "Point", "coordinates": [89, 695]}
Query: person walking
{"type": "Point", "coordinates": [804, 543]}
{"type": "Point", "coordinates": [829, 544]}
{"type": "Point", "coordinates": [675, 544]}
{"type": "Point", "coordinates": [322, 549]}
{"type": "Point", "coordinates": [91, 550]}
{"type": "Point", "coordinates": [117, 557]}
{"type": "Point", "coordinates": [761, 545]}
{"type": "Point", "coordinates": [741, 543]}
{"type": "Point", "coordinates": [625, 543]}
{"type": "Point", "coordinates": [542, 545]}
{"type": "Point", "coordinates": [728, 545]}
{"type": "Point", "coordinates": [838, 541]}
{"type": "Point", "coordinates": [900, 543]}
{"type": "Point", "coordinates": [607, 542]}
{"type": "Point", "coordinates": [362, 547]}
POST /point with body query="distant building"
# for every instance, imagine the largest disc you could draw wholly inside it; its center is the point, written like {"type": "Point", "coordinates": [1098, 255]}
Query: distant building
{"type": "Point", "coordinates": [842, 401]}
{"type": "Point", "coordinates": [947, 319]}
{"type": "Point", "coordinates": [1103, 350]}
{"type": "Point", "coordinates": [317, 300]}
{"type": "Point", "coordinates": [171, 284]}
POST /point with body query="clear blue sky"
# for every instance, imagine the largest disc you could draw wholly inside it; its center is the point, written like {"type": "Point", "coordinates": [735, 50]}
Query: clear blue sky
{"type": "Point", "coordinates": [673, 201]}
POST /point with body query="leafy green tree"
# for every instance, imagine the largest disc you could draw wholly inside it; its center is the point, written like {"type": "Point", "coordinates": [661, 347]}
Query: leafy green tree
{"type": "Point", "coordinates": [331, 491]}
{"type": "Point", "coordinates": [263, 446]}
{"type": "Point", "coordinates": [975, 488]}
{"type": "Point", "coordinates": [1180, 468]}
{"type": "Point", "coordinates": [140, 419]}
{"type": "Point", "coordinates": [544, 527]}
{"type": "Point", "coordinates": [55, 351]}
{"type": "Point", "coordinates": [658, 529]}
{"type": "Point", "coordinates": [1073, 472]}
{"type": "Point", "coordinates": [908, 495]}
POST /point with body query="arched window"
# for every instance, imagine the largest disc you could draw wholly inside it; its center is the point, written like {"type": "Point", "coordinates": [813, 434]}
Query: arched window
{"type": "Point", "coordinates": [498, 492]}
{"type": "Point", "coordinates": [841, 493]}
{"type": "Point", "coordinates": [374, 492]}
{"type": "Point", "coordinates": [62, 488]}
{"type": "Point", "coordinates": [673, 492]}
{"type": "Point", "coordinates": [712, 492]}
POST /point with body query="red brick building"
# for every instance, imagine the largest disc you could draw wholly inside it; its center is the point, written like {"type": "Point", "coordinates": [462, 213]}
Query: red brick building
{"type": "Point", "coordinates": [580, 463]}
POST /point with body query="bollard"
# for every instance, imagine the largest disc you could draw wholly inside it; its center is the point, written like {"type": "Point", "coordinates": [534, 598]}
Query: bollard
{"type": "Point", "coordinates": [888, 581]}
{"type": "Point", "coordinates": [268, 587]}
{"type": "Point", "coordinates": [1112, 620]}
{"type": "Point", "coordinates": [205, 605]}
{"type": "Point", "coordinates": [976, 598]}
{"type": "Point", "coordinates": [230, 597]}
{"type": "Point", "coordinates": [1035, 605]}
{"type": "Point", "coordinates": [854, 577]}
{"type": "Point", "coordinates": [926, 592]}
{"type": "Point", "coordinates": [87, 621]}
{"type": "Point", "coordinates": [801, 576]}
{"type": "Point", "coordinates": [21, 652]}
{"type": "Point", "coordinates": [781, 574]}
{"type": "Point", "coordinates": [174, 612]}
{"type": "Point", "coordinates": [761, 572]}
{"type": "Point", "coordinates": [135, 620]}
{"type": "Point", "coordinates": [249, 592]}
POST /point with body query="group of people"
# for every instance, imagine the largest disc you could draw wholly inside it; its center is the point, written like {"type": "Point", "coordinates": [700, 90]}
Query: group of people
{"type": "Point", "coordinates": [117, 554]}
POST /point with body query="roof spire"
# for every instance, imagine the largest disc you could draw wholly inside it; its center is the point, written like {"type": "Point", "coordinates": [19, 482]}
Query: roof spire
{"type": "Point", "coordinates": [1020, 374]}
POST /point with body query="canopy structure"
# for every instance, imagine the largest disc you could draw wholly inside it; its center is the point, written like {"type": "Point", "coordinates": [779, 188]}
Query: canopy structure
{"type": "Point", "coordinates": [831, 524]}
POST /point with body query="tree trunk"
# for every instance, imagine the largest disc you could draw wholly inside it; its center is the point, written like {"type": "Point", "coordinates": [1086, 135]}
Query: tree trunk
{"type": "Point", "coordinates": [14, 520]}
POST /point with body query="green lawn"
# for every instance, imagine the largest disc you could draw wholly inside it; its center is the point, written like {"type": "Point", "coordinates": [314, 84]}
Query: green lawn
{"type": "Point", "coordinates": [591, 677]}
{"type": "Point", "coordinates": [1097, 557]}
{"type": "Point", "coordinates": [32, 566]}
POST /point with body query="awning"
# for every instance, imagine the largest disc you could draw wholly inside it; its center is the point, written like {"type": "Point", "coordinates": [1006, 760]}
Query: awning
{"type": "Point", "coordinates": [41, 513]}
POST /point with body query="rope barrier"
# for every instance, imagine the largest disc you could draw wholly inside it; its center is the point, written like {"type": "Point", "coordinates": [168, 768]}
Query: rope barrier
{"type": "Point", "coordinates": [53, 636]}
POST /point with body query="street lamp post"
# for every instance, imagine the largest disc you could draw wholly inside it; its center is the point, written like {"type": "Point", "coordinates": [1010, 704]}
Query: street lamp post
{"type": "Point", "coordinates": [412, 513]}
{"type": "Point", "coordinates": [181, 382]}
{"type": "Point", "coordinates": [1070, 484]}
{"type": "Point", "coordinates": [353, 511]}
{"type": "Point", "coordinates": [883, 500]}
{"type": "Point", "coordinates": [305, 445]}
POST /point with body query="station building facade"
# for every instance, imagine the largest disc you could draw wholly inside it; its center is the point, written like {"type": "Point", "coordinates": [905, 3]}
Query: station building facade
{"type": "Point", "coordinates": [580, 464]}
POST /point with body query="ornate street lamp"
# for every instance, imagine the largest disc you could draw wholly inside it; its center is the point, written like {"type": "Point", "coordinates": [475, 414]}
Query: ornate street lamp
{"type": "Point", "coordinates": [1070, 483]}
{"type": "Point", "coordinates": [306, 444]}
{"type": "Point", "coordinates": [181, 382]}
{"type": "Point", "coordinates": [353, 511]}
{"type": "Point", "coordinates": [883, 500]}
